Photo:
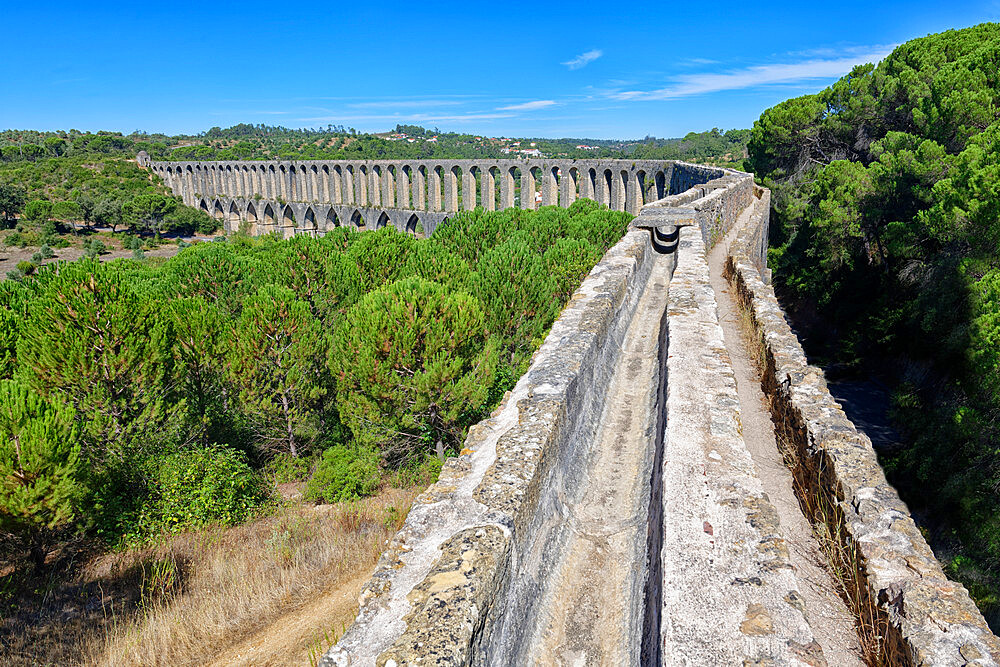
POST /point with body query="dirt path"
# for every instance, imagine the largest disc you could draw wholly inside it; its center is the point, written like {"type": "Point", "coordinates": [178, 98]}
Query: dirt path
{"type": "Point", "coordinates": [310, 629]}
{"type": "Point", "coordinates": [830, 620]}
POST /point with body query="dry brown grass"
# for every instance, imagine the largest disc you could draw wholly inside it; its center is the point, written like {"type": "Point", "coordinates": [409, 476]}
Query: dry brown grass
{"type": "Point", "coordinates": [197, 595]}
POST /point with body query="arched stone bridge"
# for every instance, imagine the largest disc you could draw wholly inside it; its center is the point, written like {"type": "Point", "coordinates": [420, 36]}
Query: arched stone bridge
{"type": "Point", "coordinates": [313, 196]}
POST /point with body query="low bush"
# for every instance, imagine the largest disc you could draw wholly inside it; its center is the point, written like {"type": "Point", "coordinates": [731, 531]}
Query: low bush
{"type": "Point", "coordinates": [198, 487]}
{"type": "Point", "coordinates": [344, 473]}
{"type": "Point", "coordinates": [94, 248]}
{"type": "Point", "coordinates": [285, 468]}
{"type": "Point", "coordinates": [15, 238]}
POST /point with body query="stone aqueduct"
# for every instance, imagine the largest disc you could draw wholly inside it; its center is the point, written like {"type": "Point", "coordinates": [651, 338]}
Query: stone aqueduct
{"type": "Point", "coordinates": [610, 511]}
{"type": "Point", "coordinates": [313, 196]}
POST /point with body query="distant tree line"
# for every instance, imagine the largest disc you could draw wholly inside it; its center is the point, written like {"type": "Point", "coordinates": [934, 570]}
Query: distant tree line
{"type": "Point", "coordinates": [81, 191]}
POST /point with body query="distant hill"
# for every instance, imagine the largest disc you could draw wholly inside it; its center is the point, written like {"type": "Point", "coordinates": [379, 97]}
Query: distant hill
{"type": "Point", "coordinates": [265, 142]}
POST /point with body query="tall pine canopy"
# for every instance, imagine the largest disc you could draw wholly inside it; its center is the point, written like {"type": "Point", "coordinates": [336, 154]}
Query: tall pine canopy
{"type": "Point", "coordinates": [886, 222]}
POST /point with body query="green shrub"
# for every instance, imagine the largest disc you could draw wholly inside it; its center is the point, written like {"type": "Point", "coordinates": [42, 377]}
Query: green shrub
{"type": "Point", "coordinates": [285, 468]}
{"type": "Point", "coordinates": [26, 267]}
{"type": "Point", "coordinates": [198, 487]}
{"type": "Point", "coordinates": [15, 238]}
{"type": "Point", "coordinates": [94, 248]}
{"type": "Point", "coordinates": [131, 242]}
{"type": "Point", "coordinates": [412, 361]}
{"type": "Point", "coordinates": [45, 252]}
{"type": "Point", "coordinates": [344, 473]}
{"type": "Point", "coordinates": [568, 261]}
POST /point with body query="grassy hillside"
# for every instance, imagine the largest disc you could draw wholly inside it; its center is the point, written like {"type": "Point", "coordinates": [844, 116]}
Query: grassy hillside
{"type": "Point", "coordinates": [886, 232]}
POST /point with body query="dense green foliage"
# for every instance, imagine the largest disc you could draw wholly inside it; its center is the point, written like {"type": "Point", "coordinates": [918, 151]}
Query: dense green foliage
{"type": "Point", "coordinates": [39, 466]}
{"type": "Point", "coordinates": [201, 486]}
{"type": "Point", "coordinates": [887, 223]}
{"type": "Point", "coordinates": [92, 189]}
{"type": "Point", "coordinates": [725, 148]}
{"type": "Point", "coordinates": [176, 384]}
{"type": "Point", "coordinates": [414, 387]}
{"type": "Point", "coordinates": [344, 473]}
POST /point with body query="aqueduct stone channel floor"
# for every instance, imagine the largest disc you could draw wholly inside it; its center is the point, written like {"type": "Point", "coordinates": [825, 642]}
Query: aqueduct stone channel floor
{"type": "Point", "coordinates": [611, 511]}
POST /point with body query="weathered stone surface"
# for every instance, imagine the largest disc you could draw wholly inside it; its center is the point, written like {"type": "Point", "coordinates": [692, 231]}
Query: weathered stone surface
{"type": "Point", "coordinates": [728, 583]}
{"type": "Point", "coordinates": [448, 607]}
{"type": "Point", "coordinates": [471, 577]}
{"type": "Point", "coordinates": [923, 618]}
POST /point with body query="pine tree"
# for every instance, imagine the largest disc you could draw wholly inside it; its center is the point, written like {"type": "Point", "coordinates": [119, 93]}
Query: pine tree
{"type": "Point", "coordinates": [413, 363]}
{"type": "Point", "coordinates": [380, 256]}
{"type": "Point", "coordinates": [216, 272]}
{"type": "Point", "coordinates": [569, 261]}
{"type": "Point", "coordinates": [40, 480]}
{"type": "Point", "coordinates": [432, 261]}
{"type": "Point", "coordinates": [516, 292]}
{"type": "Point", "coordinates": [201, 335]}
{"type": "Point", "coordinates": [94, 338]}
{"type": "Point", "coordinates": [276, 359]}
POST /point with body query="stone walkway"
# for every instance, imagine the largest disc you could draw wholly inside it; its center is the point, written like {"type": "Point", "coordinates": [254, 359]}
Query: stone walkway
{"type": "Point", "coordinates": [828, 616]}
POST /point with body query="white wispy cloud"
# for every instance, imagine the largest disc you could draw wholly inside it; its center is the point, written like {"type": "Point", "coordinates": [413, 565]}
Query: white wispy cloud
{"type": "Point", "coordinates": [687, 85]}
{"type": "Point", "coordinates": [841, 51]}
{"type": "Point", "coordinates": [528, 106]}
{"type": "Point", "coordinates": [584, 59]}
{"type": "Point", "coordinates": [417, 117]}
{"type": "Point", "coordinates": [405, 104]}
{"type": "Point", "coordinates": [699, 61]}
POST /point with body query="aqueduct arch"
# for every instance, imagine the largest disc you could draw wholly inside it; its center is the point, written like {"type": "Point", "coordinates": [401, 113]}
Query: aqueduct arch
{"type": "Point", "coordinates": [274, 195]}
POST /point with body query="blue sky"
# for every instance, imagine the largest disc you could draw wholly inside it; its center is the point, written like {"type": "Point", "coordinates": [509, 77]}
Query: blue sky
{"type": "Point", "coordinates": [581, 69]}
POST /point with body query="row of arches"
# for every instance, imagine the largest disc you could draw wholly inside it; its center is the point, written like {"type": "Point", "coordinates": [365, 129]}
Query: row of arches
{"type": "Point", "coordinates": [260, 217]}
{"type": "Point", "coordinates": [421, 187]}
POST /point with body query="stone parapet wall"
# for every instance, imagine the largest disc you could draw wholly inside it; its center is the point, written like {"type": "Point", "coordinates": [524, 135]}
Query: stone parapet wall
{"type": "Point", "coordinates": [454, 580]}
{"type": "Point", "coordinates": [718, 210]}
{"type": "Point", "coordinates": [907, 609]}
